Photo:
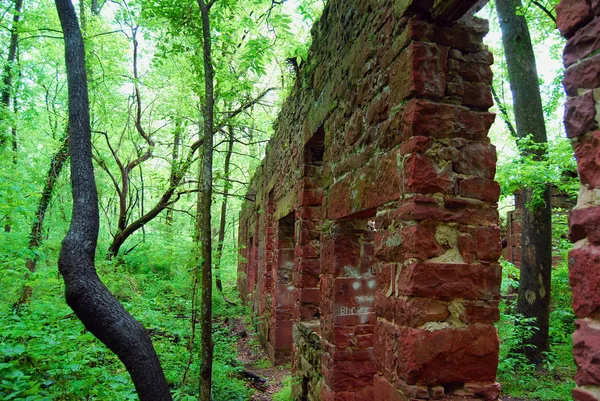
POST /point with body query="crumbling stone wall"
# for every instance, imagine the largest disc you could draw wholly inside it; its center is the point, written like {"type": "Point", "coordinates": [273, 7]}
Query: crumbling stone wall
{"type": "Point", "coordinates": [579, 22]}
{"type": "Point", "coordinates": [381, 158]}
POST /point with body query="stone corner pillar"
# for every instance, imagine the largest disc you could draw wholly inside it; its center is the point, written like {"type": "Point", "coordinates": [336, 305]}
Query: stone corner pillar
{"type": "Point", "coordinates": [579, 22]}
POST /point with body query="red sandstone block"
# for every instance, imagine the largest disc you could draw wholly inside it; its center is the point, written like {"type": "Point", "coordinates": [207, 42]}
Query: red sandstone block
{"type": "Point", "coordinates": [466, 246]}
{"type": "Point", "coordinates": [307, 281]}
{"type": "Point", "coordinates": [354, 300]}
{"type": "Point", "coordinates": [583, 43]}
{"type": "Point", "coordinates": [451, 280]}
{"type": "Point", "coordinates": [414, 312]}
{"type": "Point", "coordinates": [379, 347]}
{"type": "Point", "coordinates": [343, 336]}
{"type": "Point", "coordinates": [586, 349]}
{"type": "Point", "coordinates": [452, 37]}
{"type": "Point", "coordinates": [364, 394]}
{"type": "Point", "coordinates": [416, 144]}
{"type": "Point", "coordinates": [356, 354]}
{"type": "Point", "coordinates": [584, 276]}
{"type": "Point", "coordinates": [580, 113]}
{"type": "Point", "coordinates": [349, 375]}
{"type": "Point", "coordinates": [479, 188]}
{"type": "Point", "coordinates": [285, 294]}
{"type": "Point", "coordinates": [283, 335]}
{"type": "Point", "coordinates": [478, 159]}
{"type": "Point", "coordinates": [488, 243]}
{"type": "Point", "coordinates": [587, 153]}
{"type": "Point", "coordinates": [385, 307]}
{"type": "Point", "coordinates": [341, 254]}
{"type": "Point", "coordinates": [585, 223]}
{"type": "Point", "coordinates": [354, 128]}
{"type": "Point", "coordinates": [309, 251]}
{"type": "Point", "coordinates": [310, 267]}
{"type": "Point", "coordinates": [373, 185]}
{"type": "Point", "coordinates": [384, 273]}
{"type": "Point", "coordinates": [424, 118]}
{"type": "Point", "coordinates": [486, 390]}
{"type": "Point", "coordinates": [481, 312]}
{"type": "Point", "coordinates": [477, 96]}
{"type": "Point", "coordinates": [329, 395]}
{"type": "Point", "coordinates": [421, 175]}
{"type": "Point", "coordinates": [383, 390]}
{"type": "Point", "coordinates": [412, 210]}
{"type": "Point", "coordinates": [476, 72]}
{"type": "Point", "coordinates": [420, 70]}
{"type": "Point", "coordinates": [312, 197]}
{"type": "Point", "coordinates": [448, 355]}
{"type": "Point", "coordinates": [418, 241]}
{"type": "Point", "coordinates": [388, 245]}
{"type": "Point", "coordinates": [571, 15]}
{"type": "Point", "coordinates": [378, 109]}
{"type": "Point", "coordinates": [580, 394]}
{"type": "Point", "coordinates": [584, 75]}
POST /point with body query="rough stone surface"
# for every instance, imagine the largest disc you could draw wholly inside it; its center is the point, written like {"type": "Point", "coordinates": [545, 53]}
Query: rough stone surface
{"type": "Point", "coordinates": [587, 152]}
{"type": "Point", "coordinates": [571, 15]}
{"type": "Point", "coordinates": [584, 276]}
{"type": "Point", "coordinates": [578, 20]}
{"type": "Point", "coordinates": [580, 114]}
{"type": "Point", "coordinates": [374, 231]}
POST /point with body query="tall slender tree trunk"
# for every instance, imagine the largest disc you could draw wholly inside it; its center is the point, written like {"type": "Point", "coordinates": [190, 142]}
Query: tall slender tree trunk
{"type": "Point", "coordinates": [37, 228]}
{"type": "Point", "coordinates": [204, 208]}
{"type": "Point", "coordinates": [175, 161]}
{"type": "Point", "coordinates": [7, 74]}
{"type": "Point", "coordinates": [8, 91]}
{"type": "Point", "coordinates": [536, 243]}
{"type": "Point", "coordinates": [223, 221]}
{"type": "Point", "coordinates": [99, 311]}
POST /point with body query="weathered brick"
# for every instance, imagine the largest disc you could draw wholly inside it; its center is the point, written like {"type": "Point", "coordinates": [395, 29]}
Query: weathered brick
{"type": "Point", "coordinates": [584, 75]}
{"type": "Point", "coordinates": [425, 118]}
{"type": "Point", "coordinates": [583, 43]}
{"type": "Point", "coordinates": [584, 276]}
{"type": "Point", "coordinates": [450, 280]}
{"type": "Point", "coordinates": [587, 152]}
{"type": "Point", "coordinates": [580, 114]}
{"type": "Point", "coordinates": [464, 354]}
{"type": "Point", "coordinates": [571, 15]}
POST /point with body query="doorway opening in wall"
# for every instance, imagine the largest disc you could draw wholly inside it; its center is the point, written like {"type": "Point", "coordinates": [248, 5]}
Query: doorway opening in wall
{"type": "Point", "coordinates": [280, 344]}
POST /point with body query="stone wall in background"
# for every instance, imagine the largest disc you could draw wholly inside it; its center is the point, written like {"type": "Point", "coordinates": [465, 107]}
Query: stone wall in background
{"type": "Point", "coordinates": [579, 22]}
{"type": "Point", "coordinates": [375, 216]}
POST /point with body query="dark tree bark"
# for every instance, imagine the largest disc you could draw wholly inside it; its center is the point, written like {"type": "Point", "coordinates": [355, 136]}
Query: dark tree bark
{"type": "Point", "coordinates": [204, 208]}
{"type": "Point", "coordinates": [174, 161]}
{"type": "Point", "coordinates": [7, 74]}
{"type": "Point", "coordinates": [99, 311]}
{"type": "Point", "coordinates": [536, 260]}
{"type": "Point", "coordinates": [223, 221]}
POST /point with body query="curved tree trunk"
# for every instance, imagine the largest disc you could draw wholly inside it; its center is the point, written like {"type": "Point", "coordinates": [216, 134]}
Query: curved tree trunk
{"type": "Point", "coordinates": [35, 236]}
{"type": "Point", "coordinates": [100, 312]}
{"type": "Point", "coordinates": [203, 211]}
{"type": "Point", "coordinates": [536, 242]}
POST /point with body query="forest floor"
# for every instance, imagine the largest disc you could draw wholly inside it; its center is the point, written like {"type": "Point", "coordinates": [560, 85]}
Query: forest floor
{"type": "Point", "coordinates": [256, 361]}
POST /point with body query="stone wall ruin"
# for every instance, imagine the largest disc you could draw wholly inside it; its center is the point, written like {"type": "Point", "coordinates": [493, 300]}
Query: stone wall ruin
{"type": "Point", "coordinates": [370, 255]}
{"type": "Point", "coordinates": [579, 23]}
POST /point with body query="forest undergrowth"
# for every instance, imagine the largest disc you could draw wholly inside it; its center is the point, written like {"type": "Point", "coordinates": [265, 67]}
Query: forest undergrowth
{"type": "Point", "coordinates": [46, 354]}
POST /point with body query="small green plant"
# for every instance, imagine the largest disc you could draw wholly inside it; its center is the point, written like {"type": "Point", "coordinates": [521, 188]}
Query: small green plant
{"type": "Point", "coordinates": [285, 394]}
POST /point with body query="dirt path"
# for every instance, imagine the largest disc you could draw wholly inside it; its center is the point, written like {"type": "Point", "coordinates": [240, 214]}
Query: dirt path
{"type": "Point", "coordinates": [255, 360]}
